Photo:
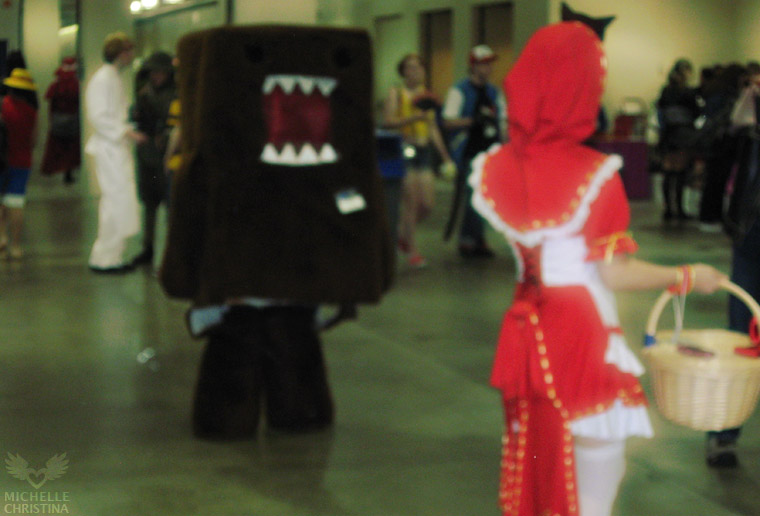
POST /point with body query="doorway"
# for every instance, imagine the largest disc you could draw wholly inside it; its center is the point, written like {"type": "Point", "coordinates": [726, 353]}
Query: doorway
{"type": "Point", "coordinates": [436, 38]}
{"type": "Point", "coordinates": [494, 26]}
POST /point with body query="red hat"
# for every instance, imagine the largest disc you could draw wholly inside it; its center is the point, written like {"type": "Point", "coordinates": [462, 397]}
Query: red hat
{"type": "Point", "coordinates": [482, 54]}
{"type": "Point", "coordinates": [69, 64]}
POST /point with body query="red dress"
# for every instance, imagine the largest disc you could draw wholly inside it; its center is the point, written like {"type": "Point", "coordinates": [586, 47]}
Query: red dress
{"type": "Point", "coordinates": [561, 364]}
{"type": "Point", "coordinates": [62, 154]}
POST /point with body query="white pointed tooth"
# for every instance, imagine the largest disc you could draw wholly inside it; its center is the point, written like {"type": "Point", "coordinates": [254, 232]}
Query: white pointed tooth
{"type": "Point", "coordinates": [269, 154]}
{"type": "Point", "coordinates": [287, 83]}
{"type": "Point", "coordinates": [269, 84]}
{"type": "Point", "coordinates": [326, 85]}
{"type": "Point", "coordinates": [308, 155]}
{"type": "Point", "coordinates": [328, 154]}
{"type": "Point", "coordinates": [306, 84]}
{"type": "Point", "coordinates": [288, 155]}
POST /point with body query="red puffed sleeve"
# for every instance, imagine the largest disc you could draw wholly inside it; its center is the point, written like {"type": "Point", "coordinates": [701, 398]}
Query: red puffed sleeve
{"type": "Point", "coordinates": [606, 229]}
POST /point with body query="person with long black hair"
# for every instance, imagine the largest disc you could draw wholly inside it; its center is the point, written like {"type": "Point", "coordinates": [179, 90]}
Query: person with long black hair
{"type": "Point", "coordinates": [678, 109]}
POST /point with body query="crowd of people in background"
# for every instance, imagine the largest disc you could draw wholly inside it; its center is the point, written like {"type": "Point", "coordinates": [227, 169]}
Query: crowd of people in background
{"type": "Point", "coordinates": [472, 118]}
{"type": "Point", "coordinates": [148, 124]}
{"type": "Point", "coordinates": [698, 137]}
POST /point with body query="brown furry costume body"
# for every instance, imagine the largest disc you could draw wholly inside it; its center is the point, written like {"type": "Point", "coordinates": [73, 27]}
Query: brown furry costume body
{"type": "Point", "coordinates": [252, 217]}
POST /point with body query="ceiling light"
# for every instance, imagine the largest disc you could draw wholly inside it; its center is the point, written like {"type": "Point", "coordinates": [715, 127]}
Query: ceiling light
{"type": "Point", "coordinates": [149, 4]}
{"type": "Point", "coordinates": [135, 6]}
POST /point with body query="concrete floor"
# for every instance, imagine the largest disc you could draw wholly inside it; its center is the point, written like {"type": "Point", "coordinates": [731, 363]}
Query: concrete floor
{"type": "Point", "coordinates": [102, 369]}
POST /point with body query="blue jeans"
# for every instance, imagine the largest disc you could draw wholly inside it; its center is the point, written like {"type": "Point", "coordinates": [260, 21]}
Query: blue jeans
{"type": "Point", "coordinates": [473, 227]}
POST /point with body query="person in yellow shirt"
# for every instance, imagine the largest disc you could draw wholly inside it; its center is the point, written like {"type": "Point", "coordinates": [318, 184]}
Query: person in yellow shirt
{"type": "Point", "coordinates": [410, 109]}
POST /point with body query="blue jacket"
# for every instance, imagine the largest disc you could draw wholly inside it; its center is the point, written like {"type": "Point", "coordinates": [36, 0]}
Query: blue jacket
{"type": "Point", "coordinates": [458, 138]}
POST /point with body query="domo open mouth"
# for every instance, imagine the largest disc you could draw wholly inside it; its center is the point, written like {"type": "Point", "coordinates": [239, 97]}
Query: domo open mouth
{"type": "Point", "coordinates": [298, 115]}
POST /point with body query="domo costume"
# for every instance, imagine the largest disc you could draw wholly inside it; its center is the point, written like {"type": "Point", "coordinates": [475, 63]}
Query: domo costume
{"type": "Point", "coordinates": [562, 364]}
{"type": "Point", "coordinates": [276, 208]}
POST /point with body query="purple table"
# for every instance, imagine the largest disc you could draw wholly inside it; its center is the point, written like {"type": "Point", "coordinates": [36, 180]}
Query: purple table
{"type": "Point", "coordinates": [635, 172]}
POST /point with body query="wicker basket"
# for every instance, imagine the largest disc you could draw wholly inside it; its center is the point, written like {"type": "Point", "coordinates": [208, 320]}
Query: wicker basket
{"type": "Point", "coordinates": [703, 392]}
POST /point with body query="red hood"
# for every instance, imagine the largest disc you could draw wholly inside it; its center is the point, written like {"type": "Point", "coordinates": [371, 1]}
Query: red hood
{"type": "Point", "coordinates": [553, 93]}
{"type": "Point", "coordinates": [555, 87]}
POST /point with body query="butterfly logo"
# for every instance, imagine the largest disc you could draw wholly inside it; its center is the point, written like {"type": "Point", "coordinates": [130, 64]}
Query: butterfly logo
{"type": "Point", "coordinates": [19, 468]}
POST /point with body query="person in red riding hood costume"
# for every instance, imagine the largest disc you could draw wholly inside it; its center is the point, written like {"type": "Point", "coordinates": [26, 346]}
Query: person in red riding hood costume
{"type": "Point", "coordinates": [568, 380]}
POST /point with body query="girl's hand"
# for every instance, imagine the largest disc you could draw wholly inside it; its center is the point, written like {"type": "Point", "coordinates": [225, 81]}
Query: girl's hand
{"type": "Point", "coordinates": [707, 279]}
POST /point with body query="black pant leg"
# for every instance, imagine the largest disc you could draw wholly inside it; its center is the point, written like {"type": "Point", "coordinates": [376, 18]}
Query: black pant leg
{"type": "Point", "coordinates": [228, 393]}
{"type": "Point", "coordinates": [296, 388]}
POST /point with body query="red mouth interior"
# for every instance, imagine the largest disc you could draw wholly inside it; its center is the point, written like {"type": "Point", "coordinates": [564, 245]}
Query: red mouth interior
{"type": "Point", "coordinates": [297, 118]}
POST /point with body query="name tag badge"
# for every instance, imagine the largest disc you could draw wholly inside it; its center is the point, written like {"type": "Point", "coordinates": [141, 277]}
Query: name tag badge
{"type": "Point", "coordinates": [350, 201]}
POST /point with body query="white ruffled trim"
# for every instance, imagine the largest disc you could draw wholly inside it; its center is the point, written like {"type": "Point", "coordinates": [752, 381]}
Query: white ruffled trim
{"type": "Point", "coordinates": [619, 354]}
{"type": "Point", "coordinates": [611, 165]}
{"type": "Point", "coordinates": [617, 423]}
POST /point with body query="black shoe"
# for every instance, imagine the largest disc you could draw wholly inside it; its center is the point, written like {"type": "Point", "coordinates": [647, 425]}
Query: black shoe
{"type": "Point", "coordinates": [475, 251]}
{"type": "Point", "coordinates": [118, 269]}
{"type": "Point", "coordinates": [723, 460]}
{"type": "Point", "coordinates": [144, 258]}
{"type": "Point", "coordinates": [721, 453]}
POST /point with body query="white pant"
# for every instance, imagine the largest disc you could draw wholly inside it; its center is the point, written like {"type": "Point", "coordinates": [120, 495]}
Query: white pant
{"type": "Point", "coordinates": [118, 211]}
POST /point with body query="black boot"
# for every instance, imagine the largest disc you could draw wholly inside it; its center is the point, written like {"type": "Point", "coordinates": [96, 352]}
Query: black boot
{"type": "Point", "coordinates": [144, 258]}
{"type": "Point", "coordinates": [228, 393]}
{"type": "Point", "coordinates": [295, 380]}
{"type": "Point", "coordinates": [721, 449]}
{"type": "Point", "coordinates": [681, 181]}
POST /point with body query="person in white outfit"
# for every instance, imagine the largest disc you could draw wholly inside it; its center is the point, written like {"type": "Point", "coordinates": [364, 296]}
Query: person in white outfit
{"type": "Point", "coordinates": [110, 146]}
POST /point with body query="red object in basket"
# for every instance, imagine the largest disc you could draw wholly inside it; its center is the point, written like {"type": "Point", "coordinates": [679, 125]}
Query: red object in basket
{"type": "Point", "coordinates": [754, 336]}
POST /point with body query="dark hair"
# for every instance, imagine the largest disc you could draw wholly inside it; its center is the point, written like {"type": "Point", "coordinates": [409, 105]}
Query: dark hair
{"type": "Point", "coordinates": [677, 75]}
{"type": "Point", "coordinates": [402, 64]}
{"type": "Point", "coordinates": [28, 96]}
{"type": "Point", "coordinates": [682, 65]}
{"type": "Point", "coordinates": [15, 59]}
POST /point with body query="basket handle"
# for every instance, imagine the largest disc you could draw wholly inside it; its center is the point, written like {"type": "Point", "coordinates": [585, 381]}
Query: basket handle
{"type": "Point", "coordinates": [666, 296]}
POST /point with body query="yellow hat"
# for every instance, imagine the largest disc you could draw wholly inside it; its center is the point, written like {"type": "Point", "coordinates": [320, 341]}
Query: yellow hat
{"type": "Point", "coordinates": [20, 79]}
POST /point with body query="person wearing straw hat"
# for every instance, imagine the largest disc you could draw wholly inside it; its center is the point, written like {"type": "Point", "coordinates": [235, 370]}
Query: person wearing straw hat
{"type": "Point", "coordinates": [110, 145]}
{"type": "Point", "coordinates": [20, 118]}
{"type": "Point", "coordinates": [568, 380]}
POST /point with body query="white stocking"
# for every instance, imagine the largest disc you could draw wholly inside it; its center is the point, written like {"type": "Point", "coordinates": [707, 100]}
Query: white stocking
{"type": "Point", "coordinates": [600, 466]}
